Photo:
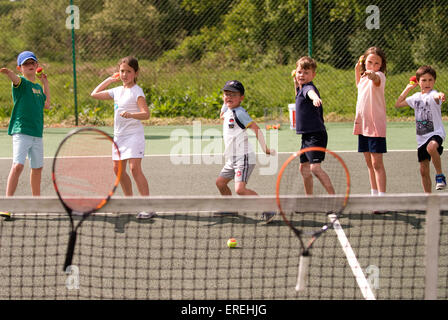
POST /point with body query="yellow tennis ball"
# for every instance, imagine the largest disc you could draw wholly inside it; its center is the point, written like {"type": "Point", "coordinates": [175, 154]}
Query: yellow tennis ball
{"type": "Point", "coordinates": [232, 243]}
{"type": "Point", "coordinates": [39, 72]}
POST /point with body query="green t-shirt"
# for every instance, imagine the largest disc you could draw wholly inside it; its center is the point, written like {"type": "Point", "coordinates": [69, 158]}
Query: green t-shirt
{"type": "Point", "coordinates": [28, 113]}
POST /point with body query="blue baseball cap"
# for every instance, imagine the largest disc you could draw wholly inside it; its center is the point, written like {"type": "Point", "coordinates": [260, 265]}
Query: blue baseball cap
{"type": "Point", "coordinates": [25, 55]}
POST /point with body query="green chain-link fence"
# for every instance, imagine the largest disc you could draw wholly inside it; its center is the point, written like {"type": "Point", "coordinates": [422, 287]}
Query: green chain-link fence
{"type": "Point", "coordinates": [188, 48]}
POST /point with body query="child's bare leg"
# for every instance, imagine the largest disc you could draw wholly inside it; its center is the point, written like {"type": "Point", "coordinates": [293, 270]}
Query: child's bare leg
{"type": "Point", "coordinates": [305, 170]}
{"type": "Point", "coordinates": [372, 178]}
{"type": "Point", "coordinates": [222, 185]}
{"type": "Point", "coordinates": [323, 177]}
{"type": "Point", "coordinates": [135, 166]}
{"type": "Point", "coordinates": [125, 180]}
{"type": "Point", "coordinates": [380, 171]}
{"type": "Point", "coordinates": [35, 179]}
{"type": "Point", "coordinates": [242, 190]}
{"type": "Point", "coordinates": [13, 178]}
{"type": "Point", "coordinates": [435, 156]}
{"type": "Point", "coordinates": [425, 174]}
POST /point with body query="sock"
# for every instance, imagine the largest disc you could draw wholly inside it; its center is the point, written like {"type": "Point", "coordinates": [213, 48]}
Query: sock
{"type": "Point", "coordinates": [373, 192]}
{"type": "Point", "coordinates": [381, 193]}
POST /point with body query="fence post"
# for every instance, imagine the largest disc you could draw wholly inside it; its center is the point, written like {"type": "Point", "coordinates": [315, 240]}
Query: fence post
{"type": "Point", "coordinates": [432, 234]}
{"type": "Point", "coordinates": [75, 87]}
{"type": "Point", "coordinates": [310, 28]}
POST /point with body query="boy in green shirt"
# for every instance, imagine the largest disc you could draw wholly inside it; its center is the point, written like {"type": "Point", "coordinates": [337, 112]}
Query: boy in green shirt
{"type": "Point", "coordinates": [27, 121]}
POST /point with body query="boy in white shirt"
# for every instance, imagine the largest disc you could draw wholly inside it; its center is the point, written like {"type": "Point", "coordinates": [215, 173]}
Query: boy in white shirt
{"type": "Point", "coordinates": [239, 155]}
{"type": "Point", "coordinates": [429, 125]}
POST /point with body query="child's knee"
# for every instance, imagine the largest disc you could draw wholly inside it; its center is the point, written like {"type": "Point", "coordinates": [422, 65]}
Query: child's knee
{"type": "Point", "coordinates": [305, 170]}
{"type": "Point", "coordinates": [17, 168]}
{"type": "Point", "coordinates": [316, 169]}
{"type": "Point", "coordinates": [36, 171]}
{"type": "Point", "coordinates": [135, 170]}
{"type": "Point", "coordinates": [240, 189]}
{"type": "Point", "coordinates": [432, 148]}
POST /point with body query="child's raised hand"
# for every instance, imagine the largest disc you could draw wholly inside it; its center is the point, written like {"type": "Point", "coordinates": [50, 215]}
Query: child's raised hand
{"type": "Point", "coordinates": [360, 62]}
{"type": "Point", "coordinates": [294, 75]}
{"type": "Point", "coordinates": [4, 70]}
{"type": "Point", "coordinates": [271, 152]}
{"type": "Point", "coordinates": [412, 85]}
{"type": "Point", "coordinates": [115, 77]}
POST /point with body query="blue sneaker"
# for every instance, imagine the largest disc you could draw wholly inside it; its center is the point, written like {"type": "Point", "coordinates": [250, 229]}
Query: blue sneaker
{"type": "Point", "coordinates": [440, 182]}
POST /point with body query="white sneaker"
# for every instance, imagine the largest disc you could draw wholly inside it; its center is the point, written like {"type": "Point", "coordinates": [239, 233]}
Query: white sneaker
{"type": "Point", "coordinates": [146, 215]}
{"type": "Point", "coordinates": [268, 216]}
{"type": "Point", "coordinates": [440, 182]}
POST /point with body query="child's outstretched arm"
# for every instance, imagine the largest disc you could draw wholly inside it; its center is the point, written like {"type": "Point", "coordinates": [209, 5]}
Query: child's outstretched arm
{"type": "Point", "coordinates": [260, 137]}
{"type": "Point", "coordinates": [99, 93]}
{"type": "Point", "coordinates": [401, 101]}
{"type": "Point", "coordinates": [317, 102]}
{"type": "Point", "coordinates": [371, 75]}
{"type": "Point", "coordinates": [11, 75]}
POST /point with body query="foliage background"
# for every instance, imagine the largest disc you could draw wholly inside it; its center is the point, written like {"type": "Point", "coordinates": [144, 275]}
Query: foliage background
{"type": "Point", "coordinates": [188, 48]}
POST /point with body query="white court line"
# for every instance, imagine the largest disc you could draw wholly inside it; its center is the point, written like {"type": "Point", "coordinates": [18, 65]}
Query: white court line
{"type": "Point", "coordinates": [363, 284]}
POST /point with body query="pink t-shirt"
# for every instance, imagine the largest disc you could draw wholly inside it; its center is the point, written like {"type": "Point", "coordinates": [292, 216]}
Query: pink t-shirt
{"type": "Point", "coordinates": [370, 120]}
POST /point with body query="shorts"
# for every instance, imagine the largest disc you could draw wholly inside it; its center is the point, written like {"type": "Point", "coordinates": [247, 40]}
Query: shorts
{"type": "Point", "coordinates": [423, 154]}
{"type": "Point", "coordinates": [24, 145]}
{"type": "Point", "coordinates": [239, 169]}
{"type": "Point", "coordinates": [314, 139]}
{"type": "Point", "coordinates": [371, 144]}
{"type": "Point", "coordinates": [130, 146]}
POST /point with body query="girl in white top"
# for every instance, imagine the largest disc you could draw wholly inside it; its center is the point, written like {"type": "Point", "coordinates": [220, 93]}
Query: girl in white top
{"type": "Point", "coordinates": [129, 109]}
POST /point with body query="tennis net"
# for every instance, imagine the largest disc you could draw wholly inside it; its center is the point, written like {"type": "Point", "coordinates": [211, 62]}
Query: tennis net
{"type": "Point", "coordinates": [182, 253]}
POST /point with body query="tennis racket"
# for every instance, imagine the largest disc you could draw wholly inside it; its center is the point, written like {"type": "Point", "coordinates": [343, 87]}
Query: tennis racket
{"type": "Point", "coordinates": [318, 188]}
{"type": "Point", "coordinates": [83, 177]}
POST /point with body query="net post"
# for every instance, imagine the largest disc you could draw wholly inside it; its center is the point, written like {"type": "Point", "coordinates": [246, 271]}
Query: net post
{"type": "Point", "coordinates": [432, 234]}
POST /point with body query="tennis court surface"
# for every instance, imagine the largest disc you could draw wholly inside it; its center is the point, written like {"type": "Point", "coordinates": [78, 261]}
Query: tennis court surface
{"type": "Point", "coordinates": [182, 253]}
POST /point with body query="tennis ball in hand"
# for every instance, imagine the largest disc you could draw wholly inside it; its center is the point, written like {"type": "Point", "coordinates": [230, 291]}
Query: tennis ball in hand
{"type": "Point", "coordinates": [39, 72]}
{"type": "Point", "coordinates": [293, 73]}
{"type": "Point", "coordinates": [232, 243]}
{"type": "Point", "coordinates": [361, 59]}
{"type": "Point", "coordinates": [412, 80]}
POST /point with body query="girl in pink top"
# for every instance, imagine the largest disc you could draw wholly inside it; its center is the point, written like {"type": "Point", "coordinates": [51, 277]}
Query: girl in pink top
{"type": "Point", "coordinates": [370, 120]}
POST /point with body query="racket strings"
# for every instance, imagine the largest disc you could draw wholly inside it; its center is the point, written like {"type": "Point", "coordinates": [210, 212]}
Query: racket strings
{"type": "Point", "coordinates": [308, 195]}
{"type": "Point", "coordinates": [84, 171]}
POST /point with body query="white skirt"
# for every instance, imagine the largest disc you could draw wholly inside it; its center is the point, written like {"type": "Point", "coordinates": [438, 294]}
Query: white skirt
{"type": "Point", "coordinates": [130, 146]}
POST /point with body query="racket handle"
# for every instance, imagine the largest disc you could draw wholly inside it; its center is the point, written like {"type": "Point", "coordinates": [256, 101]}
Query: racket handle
{"type": "Point", "coordinates": [70, 250]}
{"type": "Point", "coordinates": [304, 264]}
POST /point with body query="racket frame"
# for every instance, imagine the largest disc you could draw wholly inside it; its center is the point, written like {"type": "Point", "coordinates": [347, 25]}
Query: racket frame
{"type": "Point", "coordinates": [305, 255]}
{"type": "Point", "coordinates": [68, 209]}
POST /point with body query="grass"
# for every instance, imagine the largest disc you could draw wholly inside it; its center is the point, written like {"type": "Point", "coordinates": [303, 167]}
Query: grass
{"type": "Point", "coordinates": [194, 87]}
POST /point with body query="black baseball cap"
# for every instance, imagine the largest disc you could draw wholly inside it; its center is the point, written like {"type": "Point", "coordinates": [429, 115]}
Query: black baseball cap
{"type": "Point", "coordinates": [235, 86]}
